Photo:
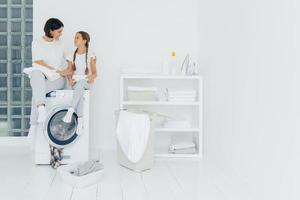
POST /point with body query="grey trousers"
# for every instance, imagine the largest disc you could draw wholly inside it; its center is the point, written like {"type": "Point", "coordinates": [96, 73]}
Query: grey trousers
{"type": "Point", "coordinates": [77, 101]}
{"type": "Point", "coordinates": [40, 87]}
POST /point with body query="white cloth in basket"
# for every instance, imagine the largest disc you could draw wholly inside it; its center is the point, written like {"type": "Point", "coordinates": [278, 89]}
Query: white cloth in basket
{"type": "Point", "coordinates": [132, 134]}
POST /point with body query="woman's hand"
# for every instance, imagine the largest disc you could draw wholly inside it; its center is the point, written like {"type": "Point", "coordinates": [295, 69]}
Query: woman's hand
{"type": "Point", "coordinates": [60, 72]}
{"type": "Point", "coordinates": [65, 72]}
{"type": "Point", "coordinates": [91, 78]}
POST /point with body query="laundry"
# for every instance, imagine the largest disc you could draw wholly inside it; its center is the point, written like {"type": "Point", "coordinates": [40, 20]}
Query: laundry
{"type": "Point", "coordinates": [182, 145]}
{"type": "Point", "coordinates": [181, 95]}
{"type": "Point", "coordinates": [183, 151]}
{"type": "Point", "coordinates": [132, 134]}
{"type": "Point", "coordinates": [135, 93]}
{"type": "Point", "coordinates": [87, 168]}
{"type": "Point", "coordinates": [51, 75]}
{"type": "Point", "coordinates": [56, 156]}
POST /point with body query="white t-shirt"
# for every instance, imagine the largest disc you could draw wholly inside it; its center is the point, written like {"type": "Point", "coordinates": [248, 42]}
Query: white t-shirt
{"type": "Point", "coordinates": [52, 53]}
{"type": "Point", "coordinates": [80, 62]}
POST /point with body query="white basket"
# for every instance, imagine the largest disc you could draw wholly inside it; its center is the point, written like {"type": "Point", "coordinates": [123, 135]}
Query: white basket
{"type": "Point", "coordinates": [78, 181]}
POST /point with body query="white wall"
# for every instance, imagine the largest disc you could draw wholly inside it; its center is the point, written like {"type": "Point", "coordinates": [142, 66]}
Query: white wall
{"type": "Point", "coordinates": [136, 33]}
{"type": "Point", "coordinates": [250, 52]}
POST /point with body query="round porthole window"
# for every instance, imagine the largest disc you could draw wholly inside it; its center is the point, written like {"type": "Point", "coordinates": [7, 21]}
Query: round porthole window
{"type": "Point", "coordinates": [59, 132]}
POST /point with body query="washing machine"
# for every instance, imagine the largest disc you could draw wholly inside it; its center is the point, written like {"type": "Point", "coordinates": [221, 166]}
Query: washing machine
{"type": "Point", "coordinates": [72, 138]}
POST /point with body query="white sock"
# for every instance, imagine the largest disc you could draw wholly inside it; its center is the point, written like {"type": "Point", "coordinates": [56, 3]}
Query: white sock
{"type": "Point", "coordinates": [42, 114]}
{"type": "Point", "coordinates": [68, 116]}
{"type": "Point", "coordinates": [80, 127]}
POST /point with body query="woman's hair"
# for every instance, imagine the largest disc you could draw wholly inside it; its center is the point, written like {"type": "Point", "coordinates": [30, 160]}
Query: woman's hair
{"type": "Point", "coordinates": [85, 36]}
{"type": "Point", "coordinates": [51, 25]}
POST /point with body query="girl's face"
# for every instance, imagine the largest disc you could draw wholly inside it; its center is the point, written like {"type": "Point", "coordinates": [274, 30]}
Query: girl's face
{"type": "Point", "coordinates": [79, 41]}
{"type": "Point", "coordinates": [57, 33]}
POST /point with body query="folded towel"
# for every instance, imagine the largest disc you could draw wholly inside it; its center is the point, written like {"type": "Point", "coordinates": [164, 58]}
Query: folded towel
{"type": "Point", "coordinates": [137, 88]}
{"type": "Point", "coordinates": [87, 168]}
{"type": "Point", "coordinates": [183, 151]}
{"type": "Point", "coordinates": [181, 142]}
{"type": "Point", "coordinates": [182, 145]}
{"type": "Point", "coordinates": [51, 75]}
{"type": "Point", "coordinates": [182, 96]}
{"type": "Point", "coordinates": [182, 92]}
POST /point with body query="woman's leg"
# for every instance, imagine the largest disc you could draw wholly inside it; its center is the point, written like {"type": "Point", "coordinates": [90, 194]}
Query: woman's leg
{"type": "Point", "coordinates": [40, 86]}
{"type": "Point", "coordinates": [58, 84]}
{"type": "Point", "coordinates": [49, 86]}
{"type": "Point", "coordinates": [79, 88]}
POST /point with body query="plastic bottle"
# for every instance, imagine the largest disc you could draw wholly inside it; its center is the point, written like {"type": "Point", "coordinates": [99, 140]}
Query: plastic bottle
{"type": "Point", "coordinates": [173, 63]}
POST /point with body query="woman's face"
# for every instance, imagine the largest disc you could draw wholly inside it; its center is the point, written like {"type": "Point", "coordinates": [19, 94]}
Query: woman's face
{"type": "Point", "coordinates": [57, 33]}
{"type": "Point", "coordinates": [78, 40]}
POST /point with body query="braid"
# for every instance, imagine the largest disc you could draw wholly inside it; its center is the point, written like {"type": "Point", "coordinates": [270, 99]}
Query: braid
{"type": "Point", "coordinates": [74, 58]}
{"type": "Point", "coordinates": [86, 58]}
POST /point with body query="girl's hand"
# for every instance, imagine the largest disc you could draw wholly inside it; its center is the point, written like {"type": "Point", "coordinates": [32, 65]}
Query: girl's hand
{"type": "Point", "coordinates": [72, 81]}
{"type": "Point", "coordinates": [91, 78]}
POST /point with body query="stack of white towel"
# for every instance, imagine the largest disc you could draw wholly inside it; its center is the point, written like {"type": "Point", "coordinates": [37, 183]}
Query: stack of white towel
{"type": "Point", "coordinates": [181, 95]}
{"type": "Point", "coordinates": [182, 145]}
{"type": "Point", "coordinates": [137, 93]}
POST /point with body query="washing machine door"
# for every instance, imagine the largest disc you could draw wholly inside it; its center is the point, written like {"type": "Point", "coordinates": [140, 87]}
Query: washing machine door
{"type": "Point", "coordinates": [59, 133]}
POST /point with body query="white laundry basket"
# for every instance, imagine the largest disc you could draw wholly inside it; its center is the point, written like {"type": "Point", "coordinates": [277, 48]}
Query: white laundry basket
{"type": "Point", "coordinates": [147, 160]}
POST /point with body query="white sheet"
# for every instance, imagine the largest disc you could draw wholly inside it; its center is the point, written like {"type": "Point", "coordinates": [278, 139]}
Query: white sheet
{"type": "Point", "coordinates": [132, 133]}
{"type": "Point", "coordinates": [51, 75]}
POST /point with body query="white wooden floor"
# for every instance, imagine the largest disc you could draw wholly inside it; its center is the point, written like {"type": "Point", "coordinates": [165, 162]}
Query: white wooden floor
{"type": "Point", "coordinates": [173, 179]}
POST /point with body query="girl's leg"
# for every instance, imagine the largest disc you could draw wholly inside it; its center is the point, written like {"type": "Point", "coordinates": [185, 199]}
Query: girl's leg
{"type": "Point", "coordinates": [79, 88]}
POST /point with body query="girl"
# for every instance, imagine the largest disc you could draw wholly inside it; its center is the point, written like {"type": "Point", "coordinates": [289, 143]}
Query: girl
{"type": "Point", "coordinates": [83, 66]}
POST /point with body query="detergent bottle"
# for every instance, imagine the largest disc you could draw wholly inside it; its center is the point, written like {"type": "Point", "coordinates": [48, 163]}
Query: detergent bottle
{"type": "Point", "coordinates": [173, 64]}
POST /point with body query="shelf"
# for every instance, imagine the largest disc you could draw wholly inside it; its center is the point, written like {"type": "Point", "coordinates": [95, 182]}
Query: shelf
{"type": "Point", "coordinates": [170, 155]}
{"type": "Point", "coordinates": [158, 76]}
{"type": "Point", "coordinates": [160, 103]}
{"type": "Point", "coordinates": [192, 108]}
{"type": "Point", "coordinates": [177, 129]}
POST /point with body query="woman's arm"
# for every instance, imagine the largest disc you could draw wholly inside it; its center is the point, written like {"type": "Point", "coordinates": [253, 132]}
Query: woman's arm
{"type": "Point", "coordinates": [42, 63]}
{"type": "Point", "coordinates": [68, 71]}
{"type": "Point", "coordinates": [93, 75]}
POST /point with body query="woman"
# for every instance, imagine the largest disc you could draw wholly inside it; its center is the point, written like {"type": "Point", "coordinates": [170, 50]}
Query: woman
{"type": "Point", "coordinates": [47, 52]}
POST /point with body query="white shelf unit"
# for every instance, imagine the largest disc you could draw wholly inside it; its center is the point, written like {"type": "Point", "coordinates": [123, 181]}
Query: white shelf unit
{"type": "Point", "coordinates": [164, 81]}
